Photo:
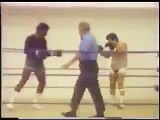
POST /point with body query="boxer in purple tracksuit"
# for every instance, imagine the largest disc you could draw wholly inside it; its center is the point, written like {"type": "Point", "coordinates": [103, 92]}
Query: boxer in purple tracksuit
{"type": "Point", "coordinates": [36, 51]}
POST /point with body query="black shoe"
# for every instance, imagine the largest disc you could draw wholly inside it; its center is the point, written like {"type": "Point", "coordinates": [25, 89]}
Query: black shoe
{"type": "Point", "coordinates": [69, 114]}
{"type": "Point", "coordinates": [98, 115]}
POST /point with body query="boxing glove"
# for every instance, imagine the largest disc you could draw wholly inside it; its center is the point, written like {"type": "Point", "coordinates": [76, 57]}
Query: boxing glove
{"type": "Point", "coordinates": [42, 54]}
{"type": "Point", "coordinates": [110, 45]}
{"type": "Point", "coordinates": [33, 53]}
{"type": "Point", "coordinates": [100, 48]}
{"type": "Point", "coordinates": [57, 53]}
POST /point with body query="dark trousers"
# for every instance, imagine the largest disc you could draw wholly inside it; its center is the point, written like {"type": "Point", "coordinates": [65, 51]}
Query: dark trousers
{"type": "Point", "coordinates": [88, 79]}
{"type": "Point", "coordinates": [40, 74]}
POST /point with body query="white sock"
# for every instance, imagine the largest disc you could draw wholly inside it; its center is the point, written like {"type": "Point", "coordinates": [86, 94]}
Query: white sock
{"type": "Point", "coordinates": [14, 94]}
{"type": "Point", "coordinates": [121, 99]}
{"type": "Point", "coordinates": [36, 100]}
{"type": "Point", "coordinates": [37, 97]}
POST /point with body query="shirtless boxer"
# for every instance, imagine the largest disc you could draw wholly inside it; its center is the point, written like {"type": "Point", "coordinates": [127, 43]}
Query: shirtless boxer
{"type": "Point", "coordinates": [118, 64]}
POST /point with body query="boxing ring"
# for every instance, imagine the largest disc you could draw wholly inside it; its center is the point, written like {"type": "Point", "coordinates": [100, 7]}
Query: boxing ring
{"type": "Point", "coordinates": [54, 107]}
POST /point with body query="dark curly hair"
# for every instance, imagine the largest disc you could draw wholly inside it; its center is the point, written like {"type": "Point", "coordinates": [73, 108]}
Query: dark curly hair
{"type": "Point", "coordinates": [112, 36]}
{"type": "Point", "coordinates": [42, 26]}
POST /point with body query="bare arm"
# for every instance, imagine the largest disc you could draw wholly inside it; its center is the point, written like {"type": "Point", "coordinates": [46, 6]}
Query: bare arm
{"type": "Point", "coordinates": [126, 49]}
{"type": "Point", "coordinates": [106, 54]}
{"type": "Point", "coordinates": [126, 54]}
{"type": "Point", "coordinates": [74, 59]}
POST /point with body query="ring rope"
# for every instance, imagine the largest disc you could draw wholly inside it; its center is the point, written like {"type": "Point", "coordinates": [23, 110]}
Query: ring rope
{"type": "Point", "coordinates": [6, 102]}
{"type": "Point", "coordinates": [70, 87]}
{"type": "Point", "coordinates": [75, 51]}
{"type": "Point", "coordinates": [67, 75]}
{"type": "Point", "coordinates": [78, 68]}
